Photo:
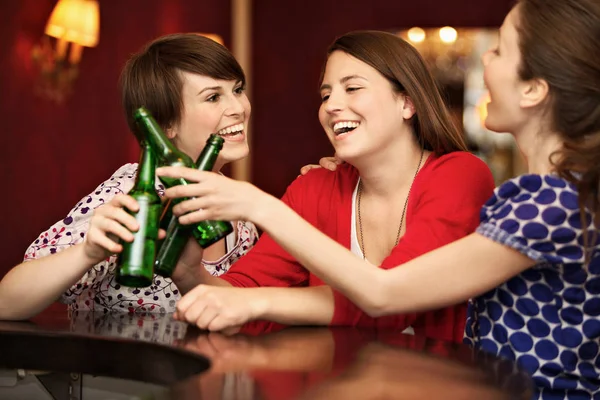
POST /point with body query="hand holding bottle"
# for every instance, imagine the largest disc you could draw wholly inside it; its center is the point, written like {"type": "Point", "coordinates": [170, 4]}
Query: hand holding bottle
{"type": "Point", "coordinates": [205, 232]}
{"type": "Point", "coordinates": [213, 196]}
{"type": "Point", "coordinates": [109, 224]}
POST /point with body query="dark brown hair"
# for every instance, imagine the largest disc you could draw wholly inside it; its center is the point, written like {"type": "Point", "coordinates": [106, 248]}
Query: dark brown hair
{"type": "Point", "coordinates": [152, 77]}
{"type": "Point", "coordinates": [402, 65]}
{"type": "Point", "coordinates": [559, 42]}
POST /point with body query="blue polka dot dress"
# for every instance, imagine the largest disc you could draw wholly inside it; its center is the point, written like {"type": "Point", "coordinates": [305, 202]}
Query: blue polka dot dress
{"type": "Point", "coordinates": [547, 318]}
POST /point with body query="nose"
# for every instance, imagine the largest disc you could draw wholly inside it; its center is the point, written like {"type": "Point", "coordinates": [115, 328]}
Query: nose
{"type": "Point", "coordinates": [334, 103]}
{"type": "Point", "coordinates": [234, 106]}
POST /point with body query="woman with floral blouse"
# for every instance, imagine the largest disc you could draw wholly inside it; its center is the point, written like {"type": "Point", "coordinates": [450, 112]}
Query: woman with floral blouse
{"type": "Point", "coordinates": [194, 87]}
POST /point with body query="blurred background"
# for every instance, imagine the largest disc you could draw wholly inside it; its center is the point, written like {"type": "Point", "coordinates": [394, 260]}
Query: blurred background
{"type": "Point", "coordinates": [65, 133]}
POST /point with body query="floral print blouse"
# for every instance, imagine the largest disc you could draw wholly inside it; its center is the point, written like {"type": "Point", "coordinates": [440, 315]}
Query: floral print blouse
{"type": "Point", "coordinates": [98, 290]}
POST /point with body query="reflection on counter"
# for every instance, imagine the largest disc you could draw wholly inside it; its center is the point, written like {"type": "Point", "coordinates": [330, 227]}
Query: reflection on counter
{"type": "Point", "coordinates": [154, 357]}
{"type": "Point", "coordinates": [38, 385]}
{"type": "Point", "coordinates": [140, 326]}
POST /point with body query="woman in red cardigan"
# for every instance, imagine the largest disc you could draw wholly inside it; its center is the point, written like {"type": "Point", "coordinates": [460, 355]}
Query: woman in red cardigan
{"type": "Point", "coordinates": [408, 187]}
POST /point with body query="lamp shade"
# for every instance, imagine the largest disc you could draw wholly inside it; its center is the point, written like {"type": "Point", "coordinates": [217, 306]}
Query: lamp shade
{"type": "Point", "coordinates": [76, 21]}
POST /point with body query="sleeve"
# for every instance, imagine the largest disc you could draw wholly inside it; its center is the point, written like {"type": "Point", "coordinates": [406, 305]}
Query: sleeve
{"type": "Point", "coordinates": [72, 229]}
{"type": "Point", "coordinates": [267, 264]}
{"type": "Point", "coordinates": [445, 208]}
{"type": "Point", "coordinates": [539, 217]}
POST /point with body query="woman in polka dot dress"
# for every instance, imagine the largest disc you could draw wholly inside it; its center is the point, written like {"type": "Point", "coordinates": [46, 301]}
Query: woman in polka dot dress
{"type": "Point", "coordinates": [532, 269]}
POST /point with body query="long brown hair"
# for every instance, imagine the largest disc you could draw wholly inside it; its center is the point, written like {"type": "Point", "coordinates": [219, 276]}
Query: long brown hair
{"type": "Point", "coordinates": [559, 42]}
{"type": "Point", "coordinates": [152, 77]}
{"type": "Point", "coordinates": [402, 65]}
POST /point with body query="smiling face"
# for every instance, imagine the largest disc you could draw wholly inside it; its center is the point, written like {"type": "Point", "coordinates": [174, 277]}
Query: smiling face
{"type": "Point", "coordinates": [212, 106]}
{"type": "Point", "coordinates": [360, 111]}
{"type": "Point", "coordinates": [502, 80]}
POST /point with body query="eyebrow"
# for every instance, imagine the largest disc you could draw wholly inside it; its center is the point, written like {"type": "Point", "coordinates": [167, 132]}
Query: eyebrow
{"type": "Point", "coordinates": [216, 88]}
{"type": "Point", "coordinates": [343, 80]}
{"type": "Point", "coordinates": [219, 88]}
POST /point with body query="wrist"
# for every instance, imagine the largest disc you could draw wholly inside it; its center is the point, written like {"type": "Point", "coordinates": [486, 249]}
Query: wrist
{"type": "Point", "coordinates": [86, 261]}
{"type": "Point", "coordinates": [260, 304]}
{"type": "Point", "coordinates": [265, 210]}
{"type": "Point", "coordinates": [186, 278]}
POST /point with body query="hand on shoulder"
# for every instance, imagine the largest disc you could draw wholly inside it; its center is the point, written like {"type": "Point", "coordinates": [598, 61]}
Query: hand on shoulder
{"type": "Point", "coordinates": [330, 163]}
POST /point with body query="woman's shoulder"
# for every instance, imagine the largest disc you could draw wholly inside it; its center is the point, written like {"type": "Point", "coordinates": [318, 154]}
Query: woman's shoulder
{"type": "Point", "coordinates": [538, 215]}
{"type": "Point", "coordinates": [124, 177]}
{"type": "Point", "coordinates": [543, 199]}
{"type": "Point", "coordinates": [126, 170]}
{"type": "Point", "coordinates": [458, 171]}
{"type": "Point", "coordinates": [121, 181]}
{"type": "Point", "coordinates": [318, 179]}
{"type": "Point", "coordinates": [459, 161]}
{"type": "Point", "coordinates": [542, 189]}
{"type": "Point", "coordinates": [124, 173]}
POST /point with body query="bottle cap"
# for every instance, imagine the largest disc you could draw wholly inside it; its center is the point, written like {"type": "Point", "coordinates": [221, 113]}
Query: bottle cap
{"type": "Point", "coordinates": [140, 113]}
{"type": "Point", "coordinates": [215, 140]}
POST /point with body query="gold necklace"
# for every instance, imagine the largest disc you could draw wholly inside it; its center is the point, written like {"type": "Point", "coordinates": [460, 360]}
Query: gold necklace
{"type": "Point", "coordinates": [362, 243]}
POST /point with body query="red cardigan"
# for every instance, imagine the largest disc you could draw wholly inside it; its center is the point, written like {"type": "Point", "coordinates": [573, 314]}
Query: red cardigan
{"type": "Point", "coordinates": [444, 205]}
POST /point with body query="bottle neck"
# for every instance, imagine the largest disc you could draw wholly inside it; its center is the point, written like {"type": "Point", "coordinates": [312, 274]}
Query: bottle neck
{"type": "Point", "coordinates": [146, 173]}
{"type": "Point", "coordinates": [159, 142]}
{"type": "Point", "coordinates": [210, 152]}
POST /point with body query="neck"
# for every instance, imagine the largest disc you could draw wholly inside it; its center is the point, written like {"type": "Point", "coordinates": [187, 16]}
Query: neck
{"type": "Point", "coordinates": [537, 145]}
{"type": "Point", "coordinates": [391, 171]}
{"type": "Point", "coordinates": [219, 164]}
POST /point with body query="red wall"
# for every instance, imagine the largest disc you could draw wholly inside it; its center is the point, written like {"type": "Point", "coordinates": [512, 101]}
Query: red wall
{"type": "Point", "coordinates": [53, 155]}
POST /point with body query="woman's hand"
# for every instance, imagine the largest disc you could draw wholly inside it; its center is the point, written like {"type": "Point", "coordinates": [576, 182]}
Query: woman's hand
{"type": "Point", "coordinates": [109, 224]}
{"type": "Point", "coordinates": [189, 271]}
{"type": "Point", "coordinates": [212, 196]}
{"type": "Point", "coordinates": [329, 163]}
{"type": "Point", "coordinates": [219, 308]}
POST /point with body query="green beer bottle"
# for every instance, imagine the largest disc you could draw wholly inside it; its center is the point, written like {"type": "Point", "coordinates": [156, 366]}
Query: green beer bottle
{"type": "Point", "coordinates": [205, 232]}
{"type": "Point", "coordinates": [167, 153]}
{"type": "Point", "coordinates": [136, 261]}
{"type": "Point", "coordinates": [209, 232]}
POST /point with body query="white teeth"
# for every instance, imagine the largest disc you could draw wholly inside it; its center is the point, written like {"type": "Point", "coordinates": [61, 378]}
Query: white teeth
{"type": "Point", "coordinates": [349, 125]}
{"type": "Point", "coordinates": [234, 129]}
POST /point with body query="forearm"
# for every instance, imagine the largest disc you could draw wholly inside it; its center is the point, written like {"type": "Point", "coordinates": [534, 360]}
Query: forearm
{"type": "Point", "coordinates": [356, 278]}
{"type": "Point", "coordinates": [186, 278]}
{"type": "Point", "coordinates": [445, 276]}
{"type": "Point", "coordinates": [296, 306]}
{"type": "Point", "coordinates": [33, 285]}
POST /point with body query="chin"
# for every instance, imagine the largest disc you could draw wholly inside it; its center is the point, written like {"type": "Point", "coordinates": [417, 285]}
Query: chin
{"type": "Point", "coordinates": [347, 155]}
{"type": "Point", "coordinates": [488, 124]}
{"type": "Point", "coordinates": [492, 125]}
{"type": "Point", "coordinates": [230, 155]}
